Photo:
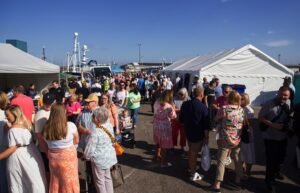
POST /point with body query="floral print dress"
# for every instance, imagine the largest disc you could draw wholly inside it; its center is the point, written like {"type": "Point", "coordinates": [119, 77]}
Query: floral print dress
{"type": "Point", "coordinates": [162, 129]}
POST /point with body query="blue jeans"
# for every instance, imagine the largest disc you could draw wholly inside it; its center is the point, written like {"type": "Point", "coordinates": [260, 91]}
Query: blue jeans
{"type": "Point", "coordinates": [133, 115]}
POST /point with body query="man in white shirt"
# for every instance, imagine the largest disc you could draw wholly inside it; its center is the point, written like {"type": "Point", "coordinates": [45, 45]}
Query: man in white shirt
{"type": "Point", "coordinates": [169, 84]}
{"type": "Point", "coordinates": [40, 120]}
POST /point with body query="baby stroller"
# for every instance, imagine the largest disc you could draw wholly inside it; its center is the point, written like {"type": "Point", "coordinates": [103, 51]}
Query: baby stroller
{"type": "Point", "coordinates": [127, 132]}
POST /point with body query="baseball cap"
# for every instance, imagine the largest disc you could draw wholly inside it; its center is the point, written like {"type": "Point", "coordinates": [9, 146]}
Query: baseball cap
{"type": "Point", "coordinates": [48, 98]}
{"type": "Point", "coordinates": [92, 97]}
{"type": "Point", "coordinates": [287, 78]}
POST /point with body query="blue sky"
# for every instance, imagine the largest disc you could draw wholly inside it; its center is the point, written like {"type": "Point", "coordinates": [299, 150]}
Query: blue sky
{"type": "Point", "coordinates": [169, 29]}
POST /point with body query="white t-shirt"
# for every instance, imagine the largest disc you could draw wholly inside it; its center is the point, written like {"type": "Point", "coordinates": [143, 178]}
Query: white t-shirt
{"type": "Point", "coordinates": [64, 143]}
{"type": "Point", "coordinates": [121, 96]}
{"type": "Point", "coordinates": [169, 85]}
{"type": "Point", "coordinates": [111, 94]}
{"type": "Point", "coordinates": [40, 120]}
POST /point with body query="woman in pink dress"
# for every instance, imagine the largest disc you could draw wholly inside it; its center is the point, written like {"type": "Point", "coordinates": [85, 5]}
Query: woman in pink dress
{"type": "Point", "coordinates": [162, 129]}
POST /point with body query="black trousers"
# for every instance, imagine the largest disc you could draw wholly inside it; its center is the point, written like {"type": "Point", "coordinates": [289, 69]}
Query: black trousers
{"type": "Point", "coordinates": [275, 155]}
{"type": "Point", "coordinates": [90, 178]}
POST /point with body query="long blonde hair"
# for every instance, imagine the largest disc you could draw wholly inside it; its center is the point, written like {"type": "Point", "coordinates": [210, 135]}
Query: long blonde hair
{"type": "Point", "coordinates": [4, 101]}
{"type": "Point", "coordinates": [56, 127]}
{"type": "Point", "coordinates": [20, 118]}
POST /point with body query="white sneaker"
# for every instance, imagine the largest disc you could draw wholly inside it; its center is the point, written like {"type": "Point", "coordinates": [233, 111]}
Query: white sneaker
{"type": "Point", "coordinates": [228, 161]}
{"type": "Point", "coordinates": [196, 176]}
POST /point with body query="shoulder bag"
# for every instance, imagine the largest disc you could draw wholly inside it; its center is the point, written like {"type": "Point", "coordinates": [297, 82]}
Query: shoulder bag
{"type": "Point", "coordinates": [119, 149]}
{"type": "Point", "coordinates": [246, 134]}
{"type": "Point", "coordinates": [264, 127]}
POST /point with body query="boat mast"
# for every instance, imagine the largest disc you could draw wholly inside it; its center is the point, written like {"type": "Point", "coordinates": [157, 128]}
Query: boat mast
{"type": "Point", "coordinates": [75, 57]}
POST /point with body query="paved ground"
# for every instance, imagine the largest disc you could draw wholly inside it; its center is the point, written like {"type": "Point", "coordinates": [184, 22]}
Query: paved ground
{"type": "Point", "coordinates": [142, 176]}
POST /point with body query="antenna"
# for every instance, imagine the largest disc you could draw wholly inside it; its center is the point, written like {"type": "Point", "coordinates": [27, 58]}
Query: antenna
{"type": "Point", "coordinates": [44, 54]}
{"type": "Point", "coordinates": [140, 45]}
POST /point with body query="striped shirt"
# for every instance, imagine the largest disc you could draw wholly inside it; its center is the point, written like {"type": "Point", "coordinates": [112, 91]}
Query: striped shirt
{"type": "Point", "coordinates": [85, 120]}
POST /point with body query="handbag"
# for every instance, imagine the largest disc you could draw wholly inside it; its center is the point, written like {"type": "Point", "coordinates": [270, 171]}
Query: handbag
{"type": "Point", "coordinates": [205, 158]}
{"type": "Point", "coordinates": [119, 149]}
{"type": "Point", "coordinates": [117, 175]}
{"type": "Point", "coordinates": [246, 134]}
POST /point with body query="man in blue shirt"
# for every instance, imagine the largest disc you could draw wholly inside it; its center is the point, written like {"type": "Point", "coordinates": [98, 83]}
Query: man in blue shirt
{"type": "Point", "coordinates": [194, 116]}
{"type": "Point", "coordinates": [218, 88]}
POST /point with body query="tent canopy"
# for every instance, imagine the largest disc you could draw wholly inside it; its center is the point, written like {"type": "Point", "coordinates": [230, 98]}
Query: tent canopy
{"type": "Point", "coordinates": [13, 60]}
{"type": "Point", "coordinates": [261, 74]}
{"type": "Point", "coordinates": [18, 67]}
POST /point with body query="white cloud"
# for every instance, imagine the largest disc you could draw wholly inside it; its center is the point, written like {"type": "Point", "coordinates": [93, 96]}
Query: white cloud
{"type": "Point", "coordinates": [278, 43]}
{"type": "Point", "coordinates": [270, 32]}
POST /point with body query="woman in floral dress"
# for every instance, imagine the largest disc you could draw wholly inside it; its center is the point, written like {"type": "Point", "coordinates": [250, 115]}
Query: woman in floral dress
{"type": "Point", "coordinates": [162, 129]}
{"type": "Point", "coordinates": [231, 119]}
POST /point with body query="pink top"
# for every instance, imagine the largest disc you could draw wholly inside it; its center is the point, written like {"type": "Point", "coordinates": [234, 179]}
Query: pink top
{"type": "Point", "coordinates": [72, 108]}
{"type": "Point", "coordinates": [162, 128]}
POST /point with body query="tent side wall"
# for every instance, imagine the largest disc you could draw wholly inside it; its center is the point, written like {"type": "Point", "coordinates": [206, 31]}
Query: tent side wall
{"type": "Point", "coordinates": [40, 80]}
{"type": "Point", "coordinates": [261, 77]}
{"type": "Point", "coordinates": [260, 89]}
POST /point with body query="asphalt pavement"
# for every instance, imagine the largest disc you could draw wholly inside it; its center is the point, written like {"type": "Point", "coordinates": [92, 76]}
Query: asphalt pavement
{"type": "Point", "coordinates": [144, 176]}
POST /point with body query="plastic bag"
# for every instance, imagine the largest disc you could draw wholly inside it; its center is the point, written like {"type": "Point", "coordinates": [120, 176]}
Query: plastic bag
{"type": "Point", "coordinates": [117, 175]}
{"type": "Point", "coordinates": [205, 158]}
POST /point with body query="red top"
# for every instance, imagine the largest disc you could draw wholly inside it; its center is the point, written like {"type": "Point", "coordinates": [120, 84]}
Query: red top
{"type": "Point", "coordinates": [26, 104]}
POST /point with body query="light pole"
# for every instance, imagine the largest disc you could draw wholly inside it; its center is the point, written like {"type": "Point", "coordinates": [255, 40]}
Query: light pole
{"type": "Point", "coordinates": [139, 44]}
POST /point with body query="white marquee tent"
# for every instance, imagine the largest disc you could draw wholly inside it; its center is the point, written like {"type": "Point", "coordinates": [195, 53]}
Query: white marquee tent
{"type": "Point", "coordinates": [261, 74]}
{"type": "Point", "coordinates": [18, 67]}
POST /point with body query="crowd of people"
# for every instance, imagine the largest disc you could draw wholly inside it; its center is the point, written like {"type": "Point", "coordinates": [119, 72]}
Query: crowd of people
{"type": "Point", "coordinates": [41, 137]}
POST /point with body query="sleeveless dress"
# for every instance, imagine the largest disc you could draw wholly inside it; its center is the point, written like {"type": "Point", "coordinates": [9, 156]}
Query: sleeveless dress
{"type": "Point", "coordinates": [25, 168]}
